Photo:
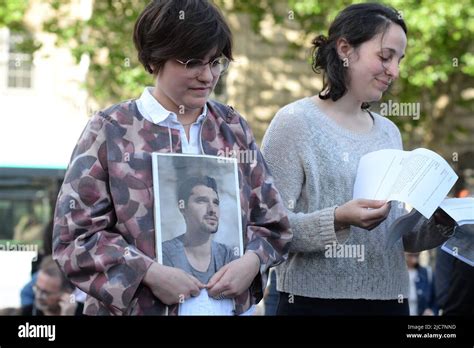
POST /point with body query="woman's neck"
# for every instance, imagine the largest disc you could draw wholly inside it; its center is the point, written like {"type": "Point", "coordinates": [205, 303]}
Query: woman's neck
{"type": "Point", "coordinates": [185, 115]}
{"type": "Point", "coordinates": [346, 107]}
{"type": "Point", "coordinates": [346, 112]}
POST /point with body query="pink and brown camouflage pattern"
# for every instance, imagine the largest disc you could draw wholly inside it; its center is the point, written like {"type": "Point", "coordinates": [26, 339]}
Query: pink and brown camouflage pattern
{"type": "Point", "coordinates": [103, 235]}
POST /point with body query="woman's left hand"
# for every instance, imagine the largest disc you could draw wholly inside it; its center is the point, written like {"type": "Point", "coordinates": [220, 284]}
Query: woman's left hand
{"type": "Point", "coordinates": [235, 277]}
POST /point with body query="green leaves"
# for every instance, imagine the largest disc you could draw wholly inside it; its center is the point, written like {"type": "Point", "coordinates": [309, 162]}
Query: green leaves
{"type": "Point", "coordinates": [12, 12]}
{"type": "Point", "coordinates": [115, 73]}
{"type": "Point", "coordinates": [439, 57]}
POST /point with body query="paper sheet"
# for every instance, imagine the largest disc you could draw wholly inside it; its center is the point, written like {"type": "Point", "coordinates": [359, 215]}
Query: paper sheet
{"type": "Point", "coordinates": [205, 305]}
{"type": "Point", "coordinates": [420, 178]}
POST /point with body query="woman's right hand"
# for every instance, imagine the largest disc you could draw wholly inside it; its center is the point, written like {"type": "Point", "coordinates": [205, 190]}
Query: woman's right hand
{"type": "Point", "coordinates": [171, 285]}
{"type": "Point", "coordinates": [363, 213]}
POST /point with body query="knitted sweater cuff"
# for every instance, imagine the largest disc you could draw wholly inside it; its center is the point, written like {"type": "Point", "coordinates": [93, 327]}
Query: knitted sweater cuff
{"type": "Point", "coordinates": [313, 231]}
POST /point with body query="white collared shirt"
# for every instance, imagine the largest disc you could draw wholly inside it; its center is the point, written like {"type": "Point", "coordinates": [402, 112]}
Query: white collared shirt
{"type": "Point", "coordinates": [153, 111]}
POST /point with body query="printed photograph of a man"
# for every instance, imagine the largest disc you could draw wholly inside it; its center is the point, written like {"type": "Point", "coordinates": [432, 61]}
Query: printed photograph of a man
{"type": "Point", "coordinates": [198, 224]}
{"type": "Point", "coordinates": [195, 251]}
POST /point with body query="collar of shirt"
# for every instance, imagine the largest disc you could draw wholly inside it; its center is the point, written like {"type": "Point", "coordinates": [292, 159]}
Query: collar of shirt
{"type": "Point", "coordinates": [153, 111]}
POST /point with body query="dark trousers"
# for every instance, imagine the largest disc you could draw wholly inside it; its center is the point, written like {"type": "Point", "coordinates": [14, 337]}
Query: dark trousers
{"type": "Point", "coordinates": [299, 305]}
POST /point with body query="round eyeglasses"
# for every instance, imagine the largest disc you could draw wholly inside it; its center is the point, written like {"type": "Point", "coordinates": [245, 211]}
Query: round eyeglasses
{"type": "Point", "coordinates": [196, 66]}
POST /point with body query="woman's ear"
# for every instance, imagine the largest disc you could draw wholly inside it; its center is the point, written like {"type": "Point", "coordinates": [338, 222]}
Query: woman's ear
{"type": "Point", "coordinates": [344, 49]}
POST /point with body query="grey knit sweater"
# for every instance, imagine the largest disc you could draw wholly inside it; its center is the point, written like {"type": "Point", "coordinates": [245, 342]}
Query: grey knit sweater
{"type": "Point", "coordinates": [314, 163]}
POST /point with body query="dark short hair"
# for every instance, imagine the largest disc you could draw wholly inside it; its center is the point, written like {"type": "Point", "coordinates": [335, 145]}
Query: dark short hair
{"type": "Point", "coordinates": [180, 29]}
{"type": "Point", "coordinates": [357, 24]}
{"type": "Point", "coordinates": [51, 268]}
{"type": "Point", "coordinates": [185, 189]}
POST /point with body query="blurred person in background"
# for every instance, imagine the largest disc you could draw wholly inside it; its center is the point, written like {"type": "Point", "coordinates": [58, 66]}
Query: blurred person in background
{"type": "Point", "coordinates": [454, 279]}
{"type": "Point", "coordinates": [53, 293]}
{"type": "Point", "coordinates": [421, 296]}
{"type": "Point", "coordinates": [454, 283]}
{"type": "Point", "coordinates": [27, 295]}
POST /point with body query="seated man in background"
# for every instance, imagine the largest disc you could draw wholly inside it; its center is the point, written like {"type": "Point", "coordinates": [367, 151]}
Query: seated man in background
{"type": "Point", "coordinates": [53, 293]}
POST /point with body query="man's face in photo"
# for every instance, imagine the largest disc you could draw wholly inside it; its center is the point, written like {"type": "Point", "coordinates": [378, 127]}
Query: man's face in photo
{"type": "Point", "coordinates": [202, 209]}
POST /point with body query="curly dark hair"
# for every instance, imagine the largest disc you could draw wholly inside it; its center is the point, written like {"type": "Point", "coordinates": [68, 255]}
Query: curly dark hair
{"type": "Point", "coordinates": [357, 24]}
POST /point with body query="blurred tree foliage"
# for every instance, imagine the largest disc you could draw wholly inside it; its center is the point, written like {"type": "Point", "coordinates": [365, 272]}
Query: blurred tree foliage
{"type": "Point", "coordinates": [12, 13]}
{"type": "Point", "coordinates": [114, 72]}
{"type": "Point", "coordinates": [439, 61]}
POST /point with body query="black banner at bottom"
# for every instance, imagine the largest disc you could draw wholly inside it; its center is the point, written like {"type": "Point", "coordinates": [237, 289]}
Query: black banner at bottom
{"type": "Point", "coordinates": [452, 331]}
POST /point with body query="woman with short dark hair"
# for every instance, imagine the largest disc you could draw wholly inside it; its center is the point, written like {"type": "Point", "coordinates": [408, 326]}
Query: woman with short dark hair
{"type": "Point", "coordinates": [104, 229]}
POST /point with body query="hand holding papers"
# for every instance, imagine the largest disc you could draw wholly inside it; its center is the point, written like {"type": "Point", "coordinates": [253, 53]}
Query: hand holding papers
{"type": "Point", "coordinates": [420, 178]}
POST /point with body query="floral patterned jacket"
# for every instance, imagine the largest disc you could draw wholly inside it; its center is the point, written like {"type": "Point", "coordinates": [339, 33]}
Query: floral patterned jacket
{"type": "Point", "coordinates": [103, 235]}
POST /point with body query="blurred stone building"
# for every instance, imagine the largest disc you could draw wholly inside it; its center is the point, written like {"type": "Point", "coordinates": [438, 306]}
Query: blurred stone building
{"type": "Point", "coordinates": [44, 110]}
